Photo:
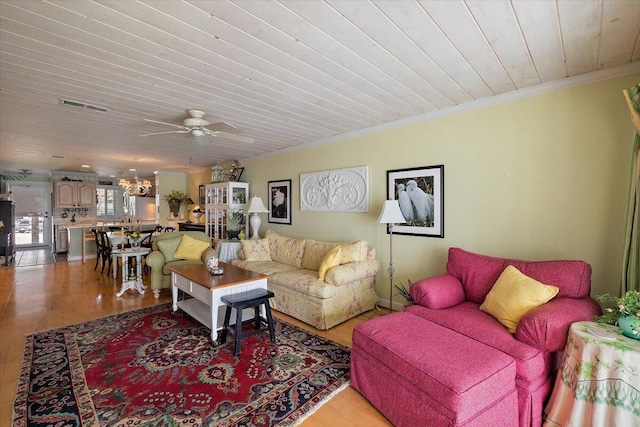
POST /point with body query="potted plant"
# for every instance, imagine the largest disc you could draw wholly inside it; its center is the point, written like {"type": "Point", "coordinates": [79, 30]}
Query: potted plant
{"type": "Point", "coordinates": [236, 219]}
{"type": "Point", "coordinates": [175, 199]}
{"type": "Point", "coordinates": [625, 312]}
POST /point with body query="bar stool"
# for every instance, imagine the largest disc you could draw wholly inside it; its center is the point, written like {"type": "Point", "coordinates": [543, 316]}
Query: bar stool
{"type": "Point", "coordinates": [253, 298]}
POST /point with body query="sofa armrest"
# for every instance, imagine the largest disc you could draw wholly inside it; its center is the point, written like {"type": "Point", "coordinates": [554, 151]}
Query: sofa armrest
{"type": "Point", "coordinates": [438, 292]}
{"type": "Point", "coordinates": [546, 327]}
{"type": "Point", "coordinates": [352, 271]}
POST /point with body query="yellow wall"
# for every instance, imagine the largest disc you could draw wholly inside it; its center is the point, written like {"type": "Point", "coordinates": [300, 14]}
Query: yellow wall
{"type": "Point", "coordinates": [540, 178]}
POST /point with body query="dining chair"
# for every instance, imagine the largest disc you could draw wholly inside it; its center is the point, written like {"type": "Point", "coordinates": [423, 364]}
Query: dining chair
{"type": "Point", "coordinates": [104, 243]}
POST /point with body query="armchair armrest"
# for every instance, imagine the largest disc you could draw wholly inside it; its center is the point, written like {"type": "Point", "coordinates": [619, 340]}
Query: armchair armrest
{"type": "Point", "coordinates": [351, 271]}
{"type": "Point", "coordinates": [438, 292]}
{"type": "Point", "coordinates": [546, 327]}
{"type": "Point", "coordinates": [208, 253]}
{"type": "Point", "coordinates": [155, 260]}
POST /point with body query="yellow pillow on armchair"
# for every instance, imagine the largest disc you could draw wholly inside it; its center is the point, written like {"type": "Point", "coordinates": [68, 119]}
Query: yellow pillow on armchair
{"type": "Point", "coordinates": [515, 294]}
{"type": "Point", "coordinates": [190, 248]}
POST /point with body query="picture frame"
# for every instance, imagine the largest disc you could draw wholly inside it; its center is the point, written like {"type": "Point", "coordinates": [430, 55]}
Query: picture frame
{"type": "Point", "coordinates": [280, 201]}
{"type": "Point", "coordinates": [201, 196]}
{"type": "Point", "coordinates": [237, 174]}
{"type": "Point", "coordinates": [420, 194]}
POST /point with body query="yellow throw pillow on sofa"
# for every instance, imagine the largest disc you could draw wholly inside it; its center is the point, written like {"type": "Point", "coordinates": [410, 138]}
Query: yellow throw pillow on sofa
{"type": "Point", "coordinates": [513, 295]}
{"type": "Point", "coordinates": [256, 250]}
{"type": "Point", "coordinates": [190, 248]}
{"type": "Point", "coordinates": [331, 259]}
{"type": "Point", "coordinates": [354, 251]}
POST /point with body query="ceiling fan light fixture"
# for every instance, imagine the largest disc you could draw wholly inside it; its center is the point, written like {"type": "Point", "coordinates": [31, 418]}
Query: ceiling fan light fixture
{"type": "Point", "coordinates": [197, 132]}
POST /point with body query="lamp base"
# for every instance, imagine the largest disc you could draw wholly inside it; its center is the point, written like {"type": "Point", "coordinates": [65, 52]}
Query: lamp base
{"type": "Point", "coordinates": [255, 221]}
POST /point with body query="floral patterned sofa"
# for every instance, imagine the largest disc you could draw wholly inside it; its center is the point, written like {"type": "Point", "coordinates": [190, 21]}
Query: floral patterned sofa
{"type": "Point", "coordinates": [321, 283]}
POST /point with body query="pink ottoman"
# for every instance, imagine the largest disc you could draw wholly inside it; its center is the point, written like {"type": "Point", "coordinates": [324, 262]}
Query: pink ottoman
{"type": "Point", "coordinates": [419, 373]}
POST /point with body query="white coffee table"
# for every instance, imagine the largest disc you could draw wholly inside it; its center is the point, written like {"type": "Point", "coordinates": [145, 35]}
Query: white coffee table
{"type": "Point", "coordinates": [207, 289]}
{"type": "Point", "coordinates": [129, 281]}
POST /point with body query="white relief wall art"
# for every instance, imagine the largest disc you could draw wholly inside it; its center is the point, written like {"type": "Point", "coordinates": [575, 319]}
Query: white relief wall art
{"type": "Point", "coordinates": [337, 190]}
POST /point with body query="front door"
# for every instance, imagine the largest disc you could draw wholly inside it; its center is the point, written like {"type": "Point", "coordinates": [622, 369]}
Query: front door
{"type": "Point", "coordinates": [33, 226]}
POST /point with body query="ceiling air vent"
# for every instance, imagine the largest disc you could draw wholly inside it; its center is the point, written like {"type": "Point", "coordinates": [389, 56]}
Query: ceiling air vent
{"type": "Point", "coordinates": [83, 105]}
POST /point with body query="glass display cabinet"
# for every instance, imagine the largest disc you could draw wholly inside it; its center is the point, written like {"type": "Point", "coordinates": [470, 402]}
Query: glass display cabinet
{"type": "Point", "coordinates": [225, 209]}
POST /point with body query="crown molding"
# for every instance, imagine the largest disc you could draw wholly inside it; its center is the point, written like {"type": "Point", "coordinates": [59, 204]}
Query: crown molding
{"type": "Point", "coordinates": [549, 87]}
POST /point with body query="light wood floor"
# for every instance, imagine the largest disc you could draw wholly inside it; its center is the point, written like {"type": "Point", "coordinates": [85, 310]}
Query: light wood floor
{"type": "Point", "coordinates": [39, 297]}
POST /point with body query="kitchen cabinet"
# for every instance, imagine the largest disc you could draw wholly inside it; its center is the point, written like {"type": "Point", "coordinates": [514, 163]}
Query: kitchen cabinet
{"type": "Point", "coordinates": [220, 199]}
{"type": "Point", "coordinates": [74, 194]}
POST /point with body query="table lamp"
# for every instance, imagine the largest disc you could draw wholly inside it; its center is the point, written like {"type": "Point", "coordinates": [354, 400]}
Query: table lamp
{"type": "Point", "coordinates": [391, 215]}
{"type": "Point", "coordinates": [256, 206]}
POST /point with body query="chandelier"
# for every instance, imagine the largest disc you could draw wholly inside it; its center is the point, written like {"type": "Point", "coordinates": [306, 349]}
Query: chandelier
{"type": "Point", "coordinates": [135, 187]}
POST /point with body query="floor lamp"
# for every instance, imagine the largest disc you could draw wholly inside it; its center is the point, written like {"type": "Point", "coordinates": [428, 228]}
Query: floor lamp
{"type": "Point", "coordinates": [256, 206]}
{"type": "Point", "coordinates": [391, 215]}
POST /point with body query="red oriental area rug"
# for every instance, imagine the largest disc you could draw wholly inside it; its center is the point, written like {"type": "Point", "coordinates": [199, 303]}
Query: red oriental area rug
{"type": "Point", "coordinates": [149, 367]}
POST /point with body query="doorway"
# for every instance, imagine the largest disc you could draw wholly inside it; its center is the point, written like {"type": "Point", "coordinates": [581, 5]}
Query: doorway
{"type": "Point", "coordinates": [33, 226]}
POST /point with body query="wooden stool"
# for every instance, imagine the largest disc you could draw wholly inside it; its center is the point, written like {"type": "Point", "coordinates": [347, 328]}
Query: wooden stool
{"type": "Point", "coordinates": [253, 298]}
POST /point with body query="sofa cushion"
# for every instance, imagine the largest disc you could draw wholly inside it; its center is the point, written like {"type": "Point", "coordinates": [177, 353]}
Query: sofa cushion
{"type": "Point", "coordinates": [354, 251]}
{"type": "Point", "coordinates": [314, 252]}
{"type": "Point", "coordinates": [304, 282]}
{"type": "Point", "coordinates": [168, 247]}
{"type": "Point", "coordinates": [286, 250]}
{"type": "Point", "coordinates": [263, 267]}
{"type": "Point", "coordinates": [331, 259]}
{"type": "Point", "coordinates": [478, 273]}
{"type": "Point", "coordinates": [190, 248]}
{"type": "Point", "coordinates": [467, 319]}
{"type": "Point", "coordinates": [515, 294]}
{"type": "Point", "coordinates": [256, 250]}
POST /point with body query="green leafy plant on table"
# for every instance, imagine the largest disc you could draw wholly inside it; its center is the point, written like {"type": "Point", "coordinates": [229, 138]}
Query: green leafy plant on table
{"type": "Point", "coordinates": [626, 306]}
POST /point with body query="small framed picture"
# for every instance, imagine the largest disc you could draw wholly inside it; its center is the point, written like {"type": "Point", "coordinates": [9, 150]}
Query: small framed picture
{"type": "Point", "coordinates": [201, 196]}
{"type": "Point", "coordinates": [420, 194]}
{"type": "Point", "coordinates": [280, 201]}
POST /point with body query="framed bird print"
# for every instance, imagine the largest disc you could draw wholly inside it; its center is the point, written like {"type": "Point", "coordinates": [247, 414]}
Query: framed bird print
{"type": "Point", "coordinates": [280, 202]}
{"type": "Point", "coordinates": [420, 194]}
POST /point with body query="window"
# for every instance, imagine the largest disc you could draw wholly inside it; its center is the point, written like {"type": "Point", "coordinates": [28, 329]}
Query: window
{"type": "Point", "coordinates": [109, 201]}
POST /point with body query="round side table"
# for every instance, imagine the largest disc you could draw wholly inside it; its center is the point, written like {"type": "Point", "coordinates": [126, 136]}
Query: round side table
{"type": "Point", "coordinates": [598, 382]}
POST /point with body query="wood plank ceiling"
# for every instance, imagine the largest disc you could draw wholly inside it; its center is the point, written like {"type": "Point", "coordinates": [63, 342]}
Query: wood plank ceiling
{"type": "Point", "coordinates": [283, 72]}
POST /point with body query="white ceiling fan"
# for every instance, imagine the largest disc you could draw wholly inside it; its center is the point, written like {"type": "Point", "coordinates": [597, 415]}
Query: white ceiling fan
{"type": "Point", "coordinates": [195, 125]}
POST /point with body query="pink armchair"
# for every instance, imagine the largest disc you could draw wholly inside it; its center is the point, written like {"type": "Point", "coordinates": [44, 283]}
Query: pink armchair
{"type": "Point", "coordinates": [452, 301]}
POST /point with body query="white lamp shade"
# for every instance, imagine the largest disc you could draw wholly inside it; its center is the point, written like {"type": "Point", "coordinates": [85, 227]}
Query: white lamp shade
{"type": "Point", "coordinates": [256, 206]}
{"type": "Point", "coordinates": [391, 213]}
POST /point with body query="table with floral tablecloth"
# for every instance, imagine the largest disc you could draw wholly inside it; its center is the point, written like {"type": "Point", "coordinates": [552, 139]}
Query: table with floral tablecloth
{"type": "Point", "coordinates": [598, 383]}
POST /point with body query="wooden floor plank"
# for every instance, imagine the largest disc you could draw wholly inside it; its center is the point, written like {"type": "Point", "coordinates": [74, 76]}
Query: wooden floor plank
{"type": "Point", "coordinates": [50, 295]}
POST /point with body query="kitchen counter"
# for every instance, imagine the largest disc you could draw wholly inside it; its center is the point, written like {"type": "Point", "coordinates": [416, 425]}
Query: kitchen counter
{"type": "Point", "coordinates": [81, 242]}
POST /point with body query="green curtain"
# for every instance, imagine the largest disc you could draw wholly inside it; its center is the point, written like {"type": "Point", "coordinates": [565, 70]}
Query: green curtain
{"type": "Point", "coordinates": [631, 256]}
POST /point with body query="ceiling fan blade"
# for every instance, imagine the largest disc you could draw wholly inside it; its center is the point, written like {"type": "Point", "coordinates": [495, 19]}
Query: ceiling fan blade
{"type": "Point", "coordinates": [228, 135]}
{"type": "Point", "coordinates": [222, 127]}
{"type": "Point", "coordinates": [164, 123]}
{"type": "Point", "coordinates": [163, 133]}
